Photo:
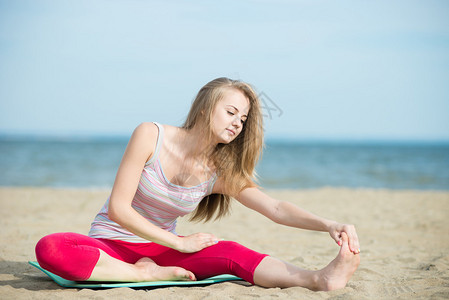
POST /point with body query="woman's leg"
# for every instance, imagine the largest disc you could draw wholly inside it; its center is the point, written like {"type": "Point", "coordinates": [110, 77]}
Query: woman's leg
{"type": "Point", "coordinates": [232, 258]}
{"type": "Point", "coordinates": [109, 268]}
{"type": "Point", "coordinates": [78, 257]}
{"type": "Point", "coordinates": [225, 257]}
{"type": "Point", "coordinates": [272, 272]}
{"type": "Point", "coordinates": [69, 255]}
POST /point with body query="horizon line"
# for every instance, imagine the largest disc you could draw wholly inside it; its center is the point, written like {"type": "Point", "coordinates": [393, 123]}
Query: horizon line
{"type": "Point", "coordinates": [104, 137]}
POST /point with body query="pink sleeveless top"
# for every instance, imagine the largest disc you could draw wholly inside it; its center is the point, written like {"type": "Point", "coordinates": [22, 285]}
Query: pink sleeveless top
{"type": "Point", "coordinates": [157, 199]}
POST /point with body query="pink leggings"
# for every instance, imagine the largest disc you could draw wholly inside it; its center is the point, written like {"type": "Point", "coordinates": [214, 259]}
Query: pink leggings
{"type": "Point", "coordinates": [73, 256]}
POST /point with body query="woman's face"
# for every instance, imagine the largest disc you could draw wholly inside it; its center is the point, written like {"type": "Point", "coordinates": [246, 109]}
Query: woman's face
{"type": "Point", "coordinates": [229, 115]}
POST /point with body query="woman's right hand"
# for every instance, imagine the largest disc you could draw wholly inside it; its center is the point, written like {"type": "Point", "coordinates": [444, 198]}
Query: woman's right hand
{"type": "Point", "coordinates": [196, 242]}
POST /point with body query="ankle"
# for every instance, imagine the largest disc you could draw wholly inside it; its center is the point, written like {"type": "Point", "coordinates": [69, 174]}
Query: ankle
{"type": "Point", "coordinates": [140, 273]}
{"type": "Point", "coordinates": [317, 281]}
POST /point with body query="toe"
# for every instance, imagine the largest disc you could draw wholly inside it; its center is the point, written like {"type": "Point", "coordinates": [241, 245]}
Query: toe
{"type": "Point", "coordinates": [192, 276]}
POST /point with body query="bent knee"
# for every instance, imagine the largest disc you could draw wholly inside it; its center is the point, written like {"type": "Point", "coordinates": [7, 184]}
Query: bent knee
{"type": "Point", "coordinates": [49, 248]}
{"type": "Point", "coordinates": [60, 254]}
{"type": "Point", "coordinates": [53, 253]}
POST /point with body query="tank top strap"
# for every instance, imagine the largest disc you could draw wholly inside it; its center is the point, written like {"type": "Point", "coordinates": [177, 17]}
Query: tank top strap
{"type": "Point", "coordinates": [211, 183]}
{"type": "Point", "coordinates": [158, 144]}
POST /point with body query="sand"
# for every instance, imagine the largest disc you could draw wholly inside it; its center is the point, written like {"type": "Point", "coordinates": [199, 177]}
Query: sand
{"type": "Point", "coordinates": [404, 237]}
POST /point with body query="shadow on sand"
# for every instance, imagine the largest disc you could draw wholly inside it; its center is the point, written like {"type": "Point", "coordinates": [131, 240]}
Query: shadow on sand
{"type": "Point", "coordinates": [20, 275]}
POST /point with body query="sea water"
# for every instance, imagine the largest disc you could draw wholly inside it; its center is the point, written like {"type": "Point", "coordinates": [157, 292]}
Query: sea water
{"type": "Point", "coordinates": [93, 163]}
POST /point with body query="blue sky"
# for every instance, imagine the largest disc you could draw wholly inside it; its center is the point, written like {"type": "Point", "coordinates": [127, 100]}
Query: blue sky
{"type": "Point", "coordinates": [330, 69]}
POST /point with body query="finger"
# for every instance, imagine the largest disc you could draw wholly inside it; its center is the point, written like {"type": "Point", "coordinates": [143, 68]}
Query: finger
{"type": "Point", "coordinates": [353, 241]}
{"type": "Point", "coordinates": [339, 239]}
{"type": "Point", "coordinates": [208, 242]}
{"type": "Point", "coordinates": [204, 238]}
{"type": "Point", "coordinates": [208, 236]}
{"type": "Point", "coordinates": [348, 239]}
{"type": "Point", "coordinates": [213, 238]}
{"type": "Point", "coordinates": [336, 236]}
{"type": "Point", "coordinates": [357, 244]}
{"type": "Point", "coordinates": [344, 237]}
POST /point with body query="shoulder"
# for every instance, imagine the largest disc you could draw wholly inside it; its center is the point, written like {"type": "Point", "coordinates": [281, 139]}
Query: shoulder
{"type": "Point", "coordinates": [146, 132]}
{"type": "Point", "coordinates": [146, 129]}
{"type": "Point", "coordinates": [146, 136]}
{"type": "Point", "coordinates": [144, 139]}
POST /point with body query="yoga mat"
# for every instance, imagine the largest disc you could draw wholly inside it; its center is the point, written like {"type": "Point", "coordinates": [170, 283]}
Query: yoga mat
{"type": "Point", "coordinates": [95, 285]}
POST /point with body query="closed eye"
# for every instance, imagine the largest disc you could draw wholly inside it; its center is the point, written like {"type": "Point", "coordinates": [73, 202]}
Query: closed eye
{"type": "Point", "coordinates": [241, 120]}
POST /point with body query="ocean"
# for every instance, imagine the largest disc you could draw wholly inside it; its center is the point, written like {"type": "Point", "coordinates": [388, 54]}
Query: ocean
{"type": "Point", "coordinates": [93, 163]}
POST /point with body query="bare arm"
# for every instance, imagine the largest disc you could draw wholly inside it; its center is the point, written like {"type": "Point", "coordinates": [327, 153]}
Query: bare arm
{"type": "Point", "coordinates": [282, 212]}
{"type": "Point", "coordinates": [140, 147]}
{"type": "Point", "coordinates": [286, 213]}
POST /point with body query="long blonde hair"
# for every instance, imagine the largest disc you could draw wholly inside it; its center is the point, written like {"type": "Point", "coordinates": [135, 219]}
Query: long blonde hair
{"type": "Point", "coordinates": [234, 162]}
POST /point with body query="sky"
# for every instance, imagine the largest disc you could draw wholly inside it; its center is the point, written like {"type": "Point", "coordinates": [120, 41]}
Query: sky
{"type": "Point", "coordinates": [325, 70]}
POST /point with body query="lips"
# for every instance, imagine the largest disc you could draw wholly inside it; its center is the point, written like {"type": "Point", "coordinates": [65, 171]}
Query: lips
{"type": "Point", "coordinates": [231, 131]}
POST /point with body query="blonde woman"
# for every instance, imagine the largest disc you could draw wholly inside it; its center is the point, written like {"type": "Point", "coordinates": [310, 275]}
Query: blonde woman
{"type": "Point", "coordinates": [167, 172]}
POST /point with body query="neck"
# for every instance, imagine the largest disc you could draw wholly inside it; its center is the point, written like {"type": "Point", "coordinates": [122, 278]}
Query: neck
{"type": "Point", "coordinates": [195, 144]}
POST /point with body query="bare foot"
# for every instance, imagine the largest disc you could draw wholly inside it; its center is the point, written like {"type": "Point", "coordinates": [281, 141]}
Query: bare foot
{"type": "Point", "coordinates": [339, 271]}
{"type": "Point", "coordinates": [152, 272]}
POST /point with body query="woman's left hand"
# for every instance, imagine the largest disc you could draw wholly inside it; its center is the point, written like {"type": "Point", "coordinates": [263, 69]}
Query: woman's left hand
{"type": "Point", "coordinates": [335, 231]}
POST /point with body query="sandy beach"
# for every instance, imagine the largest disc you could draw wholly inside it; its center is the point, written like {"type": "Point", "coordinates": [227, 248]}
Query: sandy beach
{"type": "Point", "coordinates": [404, 236]}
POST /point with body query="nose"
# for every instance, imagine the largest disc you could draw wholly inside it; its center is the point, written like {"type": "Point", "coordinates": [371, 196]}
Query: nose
{"type": "Point", "coordinates": [236, 121]}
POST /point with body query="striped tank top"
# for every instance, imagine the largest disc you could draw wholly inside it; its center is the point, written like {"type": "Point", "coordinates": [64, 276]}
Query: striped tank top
{"type": "Point", "coordinates": [157, 200]}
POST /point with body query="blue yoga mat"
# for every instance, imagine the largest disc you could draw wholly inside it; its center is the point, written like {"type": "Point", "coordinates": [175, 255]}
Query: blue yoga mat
{"type": "Point", "coordinates": [95, 285]}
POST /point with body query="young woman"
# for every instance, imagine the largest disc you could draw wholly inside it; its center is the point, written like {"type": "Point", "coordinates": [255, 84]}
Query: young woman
{"type": "Point", "coordinates": [167, 172]}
